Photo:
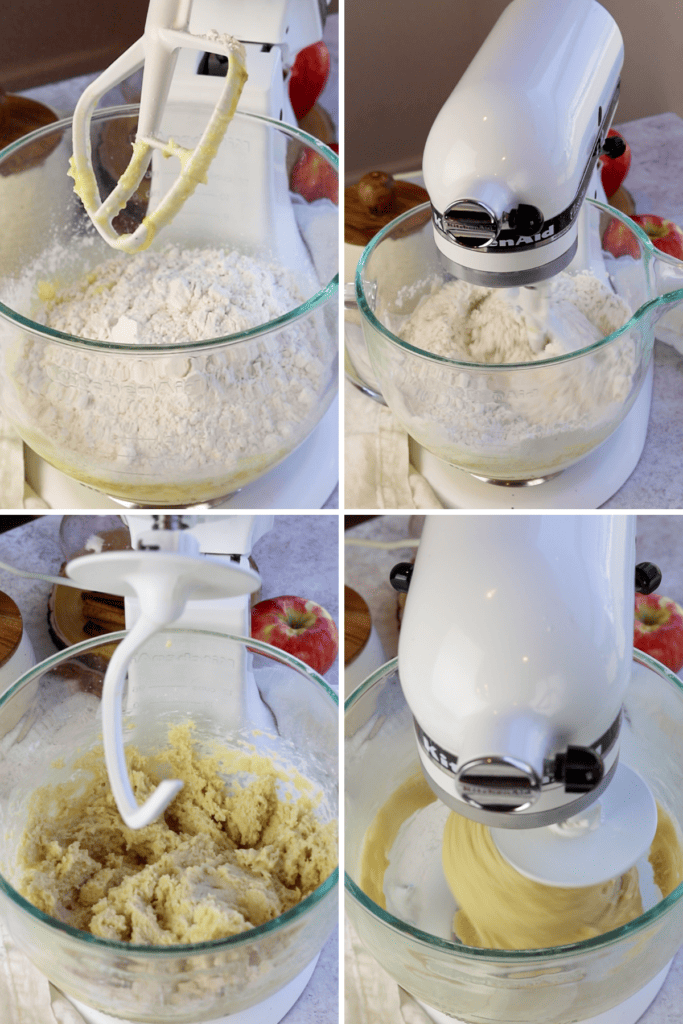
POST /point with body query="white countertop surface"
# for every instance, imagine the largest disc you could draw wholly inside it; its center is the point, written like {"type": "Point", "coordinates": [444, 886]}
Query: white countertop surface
{"type": "Point", "coordinates": [659, 539]}
{"type": "Point", "coordinates": [298, 556]}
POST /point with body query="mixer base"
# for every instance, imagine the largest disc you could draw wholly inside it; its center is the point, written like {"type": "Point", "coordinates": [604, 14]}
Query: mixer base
{"type": "Point", "coordinates": [627, 1012]}
{"type": "Point", "coordinates": [202, 507]}
{"type": "Point", "coordinates": [270, 1011]}
{"type": "Point", "coordinates": [587, 484]}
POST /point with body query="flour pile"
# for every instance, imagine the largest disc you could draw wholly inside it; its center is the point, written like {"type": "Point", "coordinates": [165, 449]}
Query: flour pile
{"type": "Point", "coordinates": [172, 296]}
{"type": "Point", "coordinates": [491, 325]}
{"type": "Point", "coordinates": [158, 424]}
{"type": "Point", "coordinates": [529, 420]}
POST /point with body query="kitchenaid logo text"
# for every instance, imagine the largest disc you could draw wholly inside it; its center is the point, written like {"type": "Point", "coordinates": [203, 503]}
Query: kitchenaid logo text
{"type": "Point", "coordinates": [499, 243]}
{"type": "Point", "coordinates": [508, 239]}
{"type": "Point", "coordinates": [445, 760]}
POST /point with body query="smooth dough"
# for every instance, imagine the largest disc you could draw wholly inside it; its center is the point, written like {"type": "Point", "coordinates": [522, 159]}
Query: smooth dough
{"type": "Point", "coordinates": [224, 857]}
{"type": "Point", "coordinates": [497, 907]}
{"type": "Point", "coordinates": [500, 909]}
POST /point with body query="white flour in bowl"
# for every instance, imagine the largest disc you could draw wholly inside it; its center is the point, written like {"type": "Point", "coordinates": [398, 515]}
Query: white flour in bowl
{"type": "Point", "coordinates": [172, 296]}
{"type": "Point", "coordinates": [227, 413]}
{"type": "Point", "coordinates": [523, 419]}
{"type": "Point", "coordinates": [515, 325]}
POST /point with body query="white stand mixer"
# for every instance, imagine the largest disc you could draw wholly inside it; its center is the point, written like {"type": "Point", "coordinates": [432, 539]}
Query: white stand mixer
{"type": "Point", "coordinates": [507, 164]}
{"type": "Point", "coordinates": [179, 571]}
{"type": "Point", "coordinates": [535, 106]}
{"type": "Point", "coordinates": [273, 32]}
{"type": "Point", "coordinates": [514, 655]}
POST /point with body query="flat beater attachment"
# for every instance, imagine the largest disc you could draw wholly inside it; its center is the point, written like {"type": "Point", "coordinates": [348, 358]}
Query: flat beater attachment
{"type": "Point", "coordinates": [166, 31]}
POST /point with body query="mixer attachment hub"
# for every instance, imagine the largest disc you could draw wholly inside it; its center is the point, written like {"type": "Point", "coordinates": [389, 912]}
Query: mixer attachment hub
{"type": "Point", "coordinates": [580, 768]}
{"type": "Point", "coordinates": [498, 784]}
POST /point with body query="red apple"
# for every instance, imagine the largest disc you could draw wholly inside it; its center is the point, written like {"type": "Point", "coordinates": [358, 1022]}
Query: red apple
{"type": "Point", "coordinates": [614, 169]}
{"type": "Point", "coordinates": [664, 235]}
{"type": "Point", "coordinates": [298, 626]}
{"type": "Point", "coordinates": [313, 178]}
{"type": "Point", "coordinates": [310, 71]}
{"type": "Point", "coordinates": [658, 629]}
{"type": "Point", "coordinates": [620, 240]}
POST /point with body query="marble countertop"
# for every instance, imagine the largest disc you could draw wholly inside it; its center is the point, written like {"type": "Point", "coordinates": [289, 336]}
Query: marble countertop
{"type": "Point", "coordinates": [659, 539]}
{"type": "Point", "coordinates": [654, 180]}
{"type": "Point", "coordinates": [298, 556]}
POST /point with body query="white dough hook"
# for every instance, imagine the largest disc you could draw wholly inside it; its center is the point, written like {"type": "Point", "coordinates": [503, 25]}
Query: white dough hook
{"type": "Point", "coordinates": [166, 31]}
{"type": "Point", "coordinates": [162, 582]}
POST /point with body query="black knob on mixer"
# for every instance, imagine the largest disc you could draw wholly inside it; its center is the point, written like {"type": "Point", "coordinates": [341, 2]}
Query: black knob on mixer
{"type": "Point", "coordinates": [400, 575]}
{"type": "Point", "coordinates": [648, 577]}
{"type": "Point", "coordinates": [525, 219]}
{"type": "Point", "coordinates": [614, 146]}
{"type": "Point", "coordinates": [580, 768]}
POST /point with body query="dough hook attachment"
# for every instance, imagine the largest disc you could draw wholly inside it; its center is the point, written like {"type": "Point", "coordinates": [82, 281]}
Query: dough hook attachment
{"type": "Point", "coordinates": [162, 582]}
{"type": "Point", "coordinates": [166, 31]}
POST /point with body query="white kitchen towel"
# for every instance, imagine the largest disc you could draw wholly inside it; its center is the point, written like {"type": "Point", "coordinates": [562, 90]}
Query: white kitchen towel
{"type": "Point", "coordinates": [371, 995]}
{"type": "Point", "coordinates": [14, 491]}
{"type": "Point", "coordinates": [26, 996]}
{"type": "Point", "coordinates": [378, 473]}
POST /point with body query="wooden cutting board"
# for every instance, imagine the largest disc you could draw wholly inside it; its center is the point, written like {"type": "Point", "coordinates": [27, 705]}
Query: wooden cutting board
{"type": "Point", "coordinates": [357, 624]}
{"type": "Point", "coordinates": [11, 628]}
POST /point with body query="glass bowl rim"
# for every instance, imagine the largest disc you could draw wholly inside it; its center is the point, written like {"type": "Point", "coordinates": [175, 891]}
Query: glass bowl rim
{"type": "Point", "coordinates": [633, 322]}
{"type": "Point", "coordinates": [300, 910]}
{"type": "Point", "coordinates": [485, 955]}
{"type": "Point", "coordinates": [323, 295]}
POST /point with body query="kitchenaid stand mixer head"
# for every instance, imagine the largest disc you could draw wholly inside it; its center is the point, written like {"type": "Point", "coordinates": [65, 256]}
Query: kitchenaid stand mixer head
{"type": "Point", "coordinates": [514, 655]}
{"type": "Point", "coordinates": [510, 156]}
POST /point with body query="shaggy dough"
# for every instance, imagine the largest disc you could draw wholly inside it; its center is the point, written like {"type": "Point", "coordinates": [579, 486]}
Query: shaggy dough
{"type": "Point", "coordinates": [497, 907]}
{"type": "Point", "coordinates": [222, 859]}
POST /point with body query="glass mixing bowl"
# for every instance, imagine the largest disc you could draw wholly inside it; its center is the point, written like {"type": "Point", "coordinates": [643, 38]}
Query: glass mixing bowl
{"type": "Point", "coordinates": [53, 711]}
{"type": "Point", "coordinates": [180, 423]}
{"type": "Point", "coordinates": [513, 421]}
{"type": "Point", "coordinates": [558, 985]}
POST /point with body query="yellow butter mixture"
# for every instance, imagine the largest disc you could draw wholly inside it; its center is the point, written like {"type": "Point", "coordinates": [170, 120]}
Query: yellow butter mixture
{"type": "Point", "coordinates": [497, 907]}
{"type": "Point", "coordinates": [500, 909]}
{"type": "Point", "coordinates": [226, 855]}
